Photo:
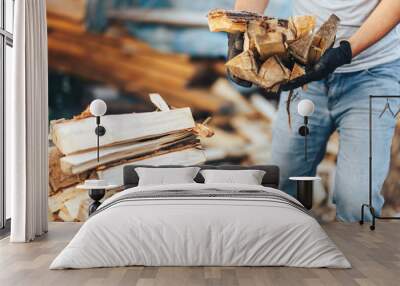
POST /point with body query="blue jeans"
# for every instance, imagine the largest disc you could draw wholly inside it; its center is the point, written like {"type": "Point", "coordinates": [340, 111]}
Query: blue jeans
{"type": "Point", "coordinates": [341, 103]}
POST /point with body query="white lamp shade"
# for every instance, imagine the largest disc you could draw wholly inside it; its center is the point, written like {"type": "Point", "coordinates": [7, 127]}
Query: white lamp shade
{"type": "Point", "coordinates": [305, 107]}
{"type": "Point", "coordinates": [98, 107]}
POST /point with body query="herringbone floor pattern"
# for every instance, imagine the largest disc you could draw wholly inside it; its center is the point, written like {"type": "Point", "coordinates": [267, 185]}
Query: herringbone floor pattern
{"type": "Point", "coordinates": [375, 257]}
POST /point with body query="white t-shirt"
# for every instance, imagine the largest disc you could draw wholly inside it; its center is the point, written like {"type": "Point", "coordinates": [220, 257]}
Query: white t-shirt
{"type": "Point", "coordinates": [352, 14]}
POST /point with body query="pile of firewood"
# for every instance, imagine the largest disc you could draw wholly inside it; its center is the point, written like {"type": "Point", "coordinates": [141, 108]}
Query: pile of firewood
{"type": "Point", "coordinates": [164, 137]}
{"type": "Point", "coordinates": [273, 48]}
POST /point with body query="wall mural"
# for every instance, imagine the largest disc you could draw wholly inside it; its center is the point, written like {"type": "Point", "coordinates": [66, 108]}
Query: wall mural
{"type": "Point", "coordinates": [168, 102]}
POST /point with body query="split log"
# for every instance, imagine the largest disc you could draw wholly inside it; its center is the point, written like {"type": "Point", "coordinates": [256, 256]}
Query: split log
{"type": "Point", "coordinates": [71, 136]}
{"type": "Point", "coordinates": [270, 44]}
{"type": "Point", "coordinates": [231, 21]}
{"type": "Point", "coordinates": [302, 25]}
{"type": "Point", "coordinates": [186, 156]}
{"type": "Point", "coordinates": [272, 73]}
{"type": "Point", "coordinates": [57, 178]}
{"type": "Point", "coordinates": [71, 205]}
{"type": "Point", "coordinates": [237, 21]}
{"type": "Point", "coordinates": [74, 205]}
{"type": "Point", "coordinates": [300, 48]}
{"type": "Point", "coordinates": [244, 66]}
{"type": "Point", "coordinates": [308, 49]}
{"type": "Point", "coordinates": [56, 201]}
{"type": "Point", "coordinates": [83, 161]}
{"type": "Point", "coordinates": [265, 37]}
{"type": "Point", "coordinates": [203, 130]}
{"type": "Point", "coordinates": [297, 71]}
{"type": "Point", "coordinates": [64, 216]}
{"type": "Point", "coordinates": [323, 39]}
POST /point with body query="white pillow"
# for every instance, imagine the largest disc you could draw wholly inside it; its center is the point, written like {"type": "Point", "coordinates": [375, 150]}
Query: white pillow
{"type": "Point", "coordinates": [247, 177]}
{"type": "Point", "coordinates": [166, 176]}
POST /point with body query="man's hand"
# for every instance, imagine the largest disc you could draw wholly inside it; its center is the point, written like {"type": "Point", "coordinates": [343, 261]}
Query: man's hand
{"type": "Point", "coordinates": [328, 63]}
{"type": "Point", "coordinates": [235, 47]}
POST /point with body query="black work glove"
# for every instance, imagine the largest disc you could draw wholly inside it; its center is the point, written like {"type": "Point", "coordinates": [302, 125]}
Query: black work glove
{"type": "Point", "coordinates": [235, 47]}
{"type": "Point", "coordinates": [327, 64]}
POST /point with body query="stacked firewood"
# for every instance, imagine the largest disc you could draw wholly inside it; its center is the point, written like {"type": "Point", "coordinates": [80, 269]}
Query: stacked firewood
{"type": "Point", "coordinates": [273, 47]}
{"type": "Point", "coordinates": [164, 137]}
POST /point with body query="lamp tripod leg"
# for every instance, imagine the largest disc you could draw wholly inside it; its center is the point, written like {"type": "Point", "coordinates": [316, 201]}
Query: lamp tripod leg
{"type": "Point", "coordinates": [372, 210]}
{"type": "Point", "coordinates": [362, 214]}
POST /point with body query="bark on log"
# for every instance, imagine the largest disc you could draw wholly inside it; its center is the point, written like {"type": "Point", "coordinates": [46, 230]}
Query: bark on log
{"type": "Point", "coordinates": [231, 21]}
{"type": "Point", "coordinates": [323, 38]}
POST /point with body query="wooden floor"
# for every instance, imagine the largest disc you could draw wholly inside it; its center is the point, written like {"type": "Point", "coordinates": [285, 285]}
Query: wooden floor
{"type": "Point", "coordinates": [375, 257]}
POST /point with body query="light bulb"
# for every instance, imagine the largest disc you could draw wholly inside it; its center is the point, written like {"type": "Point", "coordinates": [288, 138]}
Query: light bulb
{"type": "Point", "coordinates": [98, 107]}
{"type": "Point", "coordinates": [305, 107]}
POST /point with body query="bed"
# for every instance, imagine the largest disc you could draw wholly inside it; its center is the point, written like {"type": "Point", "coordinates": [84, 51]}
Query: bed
{"type": "Point", "coordinates": [198, 224]}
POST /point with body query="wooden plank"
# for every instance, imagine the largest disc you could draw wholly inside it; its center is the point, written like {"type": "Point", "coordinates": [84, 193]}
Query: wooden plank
{"type": "Point", "coordinates": [81, 162]}
{"type": "Point", "coordinates": [122, 128]}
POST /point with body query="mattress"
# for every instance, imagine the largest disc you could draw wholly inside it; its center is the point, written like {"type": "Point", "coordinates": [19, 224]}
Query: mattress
{"type": "Point", "coordinates": [201, 225]}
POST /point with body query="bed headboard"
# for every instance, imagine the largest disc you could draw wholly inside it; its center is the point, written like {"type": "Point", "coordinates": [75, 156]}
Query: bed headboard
{"type": "Point", "coordinates": [270, 179]}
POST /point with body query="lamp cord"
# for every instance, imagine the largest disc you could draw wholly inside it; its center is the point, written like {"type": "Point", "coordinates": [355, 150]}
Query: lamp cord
{"type": "Point", "coordinates": [98, 137]}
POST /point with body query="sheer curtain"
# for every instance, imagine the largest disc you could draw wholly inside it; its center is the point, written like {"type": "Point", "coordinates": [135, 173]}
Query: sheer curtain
{"type": "Point", "coordinates": [27, 123]}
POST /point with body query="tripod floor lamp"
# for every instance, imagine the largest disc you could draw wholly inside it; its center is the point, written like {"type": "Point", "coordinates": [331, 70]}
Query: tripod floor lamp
{"type": "Point", "coordinates": [369, 205]}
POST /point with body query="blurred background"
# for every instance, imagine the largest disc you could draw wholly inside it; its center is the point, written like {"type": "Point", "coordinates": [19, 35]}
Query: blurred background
{"type": "Point", "coordinates": [122, 50]}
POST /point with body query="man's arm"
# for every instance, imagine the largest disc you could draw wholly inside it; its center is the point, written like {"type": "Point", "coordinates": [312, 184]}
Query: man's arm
{"type": "Point", "coordinates": [381, 21]}
{"type": "Point", "coordinates": [256, 6]}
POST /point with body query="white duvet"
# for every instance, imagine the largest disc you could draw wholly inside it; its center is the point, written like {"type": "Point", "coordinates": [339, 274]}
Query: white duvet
{"type": "Point", "coordinates": [188, 231]}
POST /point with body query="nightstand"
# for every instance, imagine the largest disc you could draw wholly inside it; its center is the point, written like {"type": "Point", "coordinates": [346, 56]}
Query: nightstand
{"type": "Point", "coordinates": [96, 193]}
{"type": "Point", "coordinates": [305, 190]}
